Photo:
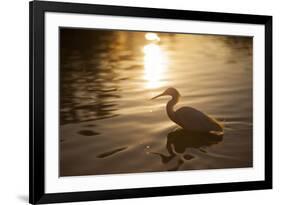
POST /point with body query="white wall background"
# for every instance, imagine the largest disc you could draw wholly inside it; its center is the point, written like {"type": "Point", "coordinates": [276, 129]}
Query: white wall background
{"type": "Point", "coordinates": [14, 100]}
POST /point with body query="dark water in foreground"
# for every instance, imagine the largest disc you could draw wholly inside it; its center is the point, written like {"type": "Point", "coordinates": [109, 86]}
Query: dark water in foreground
{"type": "Point", "coordinates": [109, 125]}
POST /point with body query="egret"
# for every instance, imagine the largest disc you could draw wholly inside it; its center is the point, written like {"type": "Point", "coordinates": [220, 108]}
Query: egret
{"type": "Point", "coordinates": [190, 119]}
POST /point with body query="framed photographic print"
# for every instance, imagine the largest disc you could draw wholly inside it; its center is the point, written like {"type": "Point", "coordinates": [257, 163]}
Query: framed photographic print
{"type": "Point", "coordinates": [140, 102]}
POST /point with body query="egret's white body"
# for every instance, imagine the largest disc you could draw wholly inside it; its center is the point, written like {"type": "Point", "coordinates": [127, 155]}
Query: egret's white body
{"type": "Point", "coordinates": [190, 118]}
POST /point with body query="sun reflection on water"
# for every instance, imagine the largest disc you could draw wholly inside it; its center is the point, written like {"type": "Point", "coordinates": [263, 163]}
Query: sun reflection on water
{"type": "Point", "coordinates": [152, 37]}
{"type": "Point", "coordinates": [155, 64]}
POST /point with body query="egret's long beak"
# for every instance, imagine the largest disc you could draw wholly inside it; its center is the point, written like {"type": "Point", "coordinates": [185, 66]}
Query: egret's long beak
{"type": "Point", "coordinates": [157, 96]}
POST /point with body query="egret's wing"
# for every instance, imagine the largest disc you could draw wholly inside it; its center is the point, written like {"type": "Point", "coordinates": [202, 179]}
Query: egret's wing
{"type": "Point", "coordinates": [193, 119]}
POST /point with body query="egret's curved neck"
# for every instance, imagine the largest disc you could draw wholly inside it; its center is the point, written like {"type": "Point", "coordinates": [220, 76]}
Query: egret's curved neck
{"type": "Point", "coordinates": [170, 107]}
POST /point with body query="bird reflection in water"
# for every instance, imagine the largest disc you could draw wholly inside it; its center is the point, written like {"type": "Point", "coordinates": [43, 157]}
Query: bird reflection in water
{"type": "Point", "coordinates": [179, 140]}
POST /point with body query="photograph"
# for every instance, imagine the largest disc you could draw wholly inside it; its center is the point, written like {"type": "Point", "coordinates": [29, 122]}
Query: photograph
{"type": "Point", "coordinates": [149, 101]}
{"type": "Point", "coordinates": [132, 102]}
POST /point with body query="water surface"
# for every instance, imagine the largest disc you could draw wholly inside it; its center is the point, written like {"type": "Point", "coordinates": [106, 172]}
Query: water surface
{"type": "Point", "coordinates": [109, 125]}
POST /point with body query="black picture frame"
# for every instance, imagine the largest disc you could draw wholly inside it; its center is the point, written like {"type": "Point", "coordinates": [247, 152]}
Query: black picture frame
{"type": "Point", "coordinates": [37, 194]}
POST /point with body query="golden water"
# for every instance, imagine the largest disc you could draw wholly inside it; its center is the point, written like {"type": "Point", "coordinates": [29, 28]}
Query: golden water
{"type": "Point", "coordinates": [108, 124]}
